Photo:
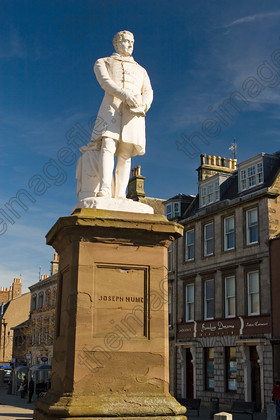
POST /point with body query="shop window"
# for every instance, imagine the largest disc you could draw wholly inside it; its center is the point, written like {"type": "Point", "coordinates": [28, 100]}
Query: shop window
{"type": "Point", "coordinates": [209, 368]}
{"type": "Point", "coordinates": [231, 369]}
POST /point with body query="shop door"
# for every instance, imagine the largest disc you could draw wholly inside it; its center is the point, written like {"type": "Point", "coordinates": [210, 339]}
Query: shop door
{"type": "Point", "coordinates": [189, 374]}
{"type": "Point", "coordinates": [255, 378]}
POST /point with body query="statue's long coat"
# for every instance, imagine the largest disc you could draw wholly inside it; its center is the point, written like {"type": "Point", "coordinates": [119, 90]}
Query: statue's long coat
{"type": "Point", "coordinates": [116, 75]}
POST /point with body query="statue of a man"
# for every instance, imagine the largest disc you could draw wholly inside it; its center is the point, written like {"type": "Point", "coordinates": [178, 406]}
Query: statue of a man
{"type": "Point", "coordinates": [128, 96]}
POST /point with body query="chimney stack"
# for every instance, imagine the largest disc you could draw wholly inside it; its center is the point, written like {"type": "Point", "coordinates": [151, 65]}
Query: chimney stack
{"type": "Point", "coordinates": [135, 189]}
{"type": "Point", "coordinates": [16, 288]}
{"type": "Point", "coordinates": [55, 264]}
{"type": "Point", "coordinates": [211, 165]}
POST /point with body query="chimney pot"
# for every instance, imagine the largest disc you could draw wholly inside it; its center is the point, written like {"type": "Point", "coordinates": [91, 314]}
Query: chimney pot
{"type": "Point", "coordinates": [208, 159]}
{"type": "Point", "coordinates": [229, 163]}
{"type": "Point", "coordinates": [224, 161]}
{"type": "Point", "coordinates": [202, 158]}
{"type": "Point", "coordinates": [234, 161]}
{"type": "Point", "coordinates": [213, 160]}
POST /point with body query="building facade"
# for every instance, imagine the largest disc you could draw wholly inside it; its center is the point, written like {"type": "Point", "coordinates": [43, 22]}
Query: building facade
{"type": "Point", "coordinates": [41, 325]}
{"type": "Point", "coordinates": [14, 291]}
{"type": "Point", "coordinates": [13, 312]}
{"type": "Point", "coordinates": [221, 331]}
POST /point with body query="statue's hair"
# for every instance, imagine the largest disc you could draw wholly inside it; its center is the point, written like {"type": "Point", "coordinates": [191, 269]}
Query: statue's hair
{"type": "Point", "coordinates": [118, 37]}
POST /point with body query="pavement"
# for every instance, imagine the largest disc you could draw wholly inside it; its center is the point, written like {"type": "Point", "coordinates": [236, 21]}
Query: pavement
{"type": "Point", "coordinates": [205, 414]}
{"type": "Point", "coordinates": [12, 407]}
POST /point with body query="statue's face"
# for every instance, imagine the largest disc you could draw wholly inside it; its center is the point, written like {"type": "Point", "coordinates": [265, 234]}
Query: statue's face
{"type": "Point", "coordinates": [125, 45]}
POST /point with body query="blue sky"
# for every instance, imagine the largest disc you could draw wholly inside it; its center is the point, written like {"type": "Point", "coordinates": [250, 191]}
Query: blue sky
{"type": "Point", "coordinates": [197, 55]}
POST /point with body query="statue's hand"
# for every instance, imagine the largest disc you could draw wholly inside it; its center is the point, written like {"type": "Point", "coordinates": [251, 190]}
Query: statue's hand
{"type": "Point", "coordinates": [132, 101]}
{"type": "Point", "coordinates": [138, 111]}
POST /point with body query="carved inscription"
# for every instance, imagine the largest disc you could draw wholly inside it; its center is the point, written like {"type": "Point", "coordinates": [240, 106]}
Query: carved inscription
{"type": "Point", "coordinates": [121, 299]}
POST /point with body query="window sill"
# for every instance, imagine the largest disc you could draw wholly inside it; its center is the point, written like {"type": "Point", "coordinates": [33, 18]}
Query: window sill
{"type": "Point", "coordinates": [229, 249]}
{"type": "Point", "coordinates": [252, 243]}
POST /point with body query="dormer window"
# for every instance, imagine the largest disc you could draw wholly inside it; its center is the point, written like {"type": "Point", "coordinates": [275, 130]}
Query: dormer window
{"type": "Point", "coordinates": [173, 210]}
{"type": "Point", "coordinates": [210, 194]}
{"type": "Point", "coordinates": [209, 190]}
{"type": "Point", "coordinates": [251, 176]}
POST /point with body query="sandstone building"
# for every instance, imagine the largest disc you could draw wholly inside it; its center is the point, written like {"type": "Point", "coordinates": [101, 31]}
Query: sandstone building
{"type": "Point", "coordinates": [14, 291]}
{"type": "Point", "coordinates": [223, 340]}
{"type": "Point", "coordinates": [13, 312]}
{"type": "Point", "coordinates": [41, 324]}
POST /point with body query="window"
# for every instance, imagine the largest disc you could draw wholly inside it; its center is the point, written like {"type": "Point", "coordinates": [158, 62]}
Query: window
{"type": "Point", "coordinates": [253, 293]}
{"type": "Point", "coordinates": [48, 298]}
{"type": "Point", "coordinates": [190, 245]}
{"type": "Point", "coordinates": [41, 301]}
{"type": "Point", "coordinates": [252, 226]}
{"type": "Point", "coordinates": [208, 239]}
{"type": "Point", "coordinates": [209, 368]}
{"type": "Point", "coordinates": [168, 211]}
{"type": "Point", "coordinates": [229, 233]}
{"type": "Point", "coordinates": [209, 299]}
{"type": "Point", "coordinates": [251, 176]}
{"type": "Point", "coordinates": [190, 302]}
{"type": "Point", "coordinates": [173, 210]}
{"type": "Point", "coordinates": [209, 194]}
{"type": "Point", "coordinates": [176, 209]}
{"type": "Point", "coordinates": [34, 302]}
{"type": "Point", "coordinates": [46, 330]}
{"type": "Point", "coordinates": [170, 258]}
{"type": "Point", "coordinates": [229, 296]}
{"type": "Point", "coordinates": [231, 369]}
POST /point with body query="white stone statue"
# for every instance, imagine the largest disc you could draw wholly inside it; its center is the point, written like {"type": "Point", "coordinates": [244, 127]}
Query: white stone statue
{"type": "Point", "coordinates": [120, 125]}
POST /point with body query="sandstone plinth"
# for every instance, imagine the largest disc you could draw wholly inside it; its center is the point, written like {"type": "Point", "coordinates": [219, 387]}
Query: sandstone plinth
{"type": "Point", "coordinates": [111, 345]}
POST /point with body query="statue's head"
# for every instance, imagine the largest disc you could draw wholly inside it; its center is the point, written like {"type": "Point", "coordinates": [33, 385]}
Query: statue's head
{"type": "Point", "coordinates": [123, 43]}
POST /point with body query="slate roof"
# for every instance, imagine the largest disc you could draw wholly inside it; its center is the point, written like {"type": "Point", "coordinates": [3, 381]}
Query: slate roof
{"type": "Point", "coordinates": [229, 188]}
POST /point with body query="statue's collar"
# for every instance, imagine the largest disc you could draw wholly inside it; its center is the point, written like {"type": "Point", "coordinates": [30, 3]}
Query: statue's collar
{"type": "Point", "coordinates": [122, 58]}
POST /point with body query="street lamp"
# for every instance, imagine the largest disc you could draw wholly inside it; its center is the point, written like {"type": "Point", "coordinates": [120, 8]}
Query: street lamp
{"type": "Point", "coordinates": [4, 337]}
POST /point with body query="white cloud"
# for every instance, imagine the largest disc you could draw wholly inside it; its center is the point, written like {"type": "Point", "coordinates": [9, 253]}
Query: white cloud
{"type": "Point", "coordinates": [254, 18]}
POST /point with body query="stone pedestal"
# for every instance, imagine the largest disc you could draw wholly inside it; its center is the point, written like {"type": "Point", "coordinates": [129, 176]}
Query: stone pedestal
{"type": "Point", "coordinates": [111, 345]}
